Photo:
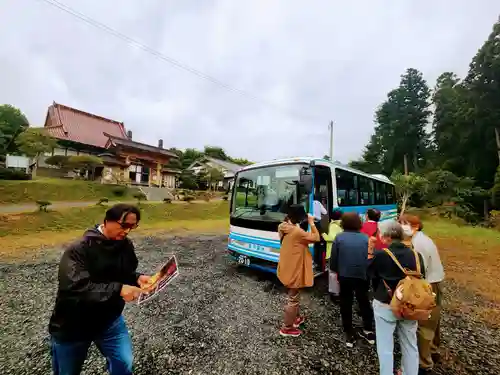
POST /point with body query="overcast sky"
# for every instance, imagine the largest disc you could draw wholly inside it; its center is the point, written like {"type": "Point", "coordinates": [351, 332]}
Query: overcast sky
{"type": "Point", "coordinates": [306, 62]}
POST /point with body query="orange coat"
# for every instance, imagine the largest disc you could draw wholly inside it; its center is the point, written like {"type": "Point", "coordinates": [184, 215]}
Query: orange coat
{"type": "Point", "coordinates": [295, 266]}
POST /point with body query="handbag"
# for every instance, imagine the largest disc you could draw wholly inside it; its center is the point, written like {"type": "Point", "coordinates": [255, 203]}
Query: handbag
{"type": "Point", "coordinates": [333, 283]}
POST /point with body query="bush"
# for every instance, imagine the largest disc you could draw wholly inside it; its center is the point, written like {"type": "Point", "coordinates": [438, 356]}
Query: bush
{"type": "Point", "coordinates": [42, 205]}
{"type": "Point", "coordinates": [102, 200]}
{"type": "Point", "coordinates": [140, 197]}
{"type": "Point", "coordinates": [167, 200]}
{"type": "Point", "coordinates": [188, 198]}
{"type": "Point", "coordinates": [225, 197]}
{"type": "Point", "coordinates": [12, 174]}
{"type": "Point", "coordinates": [119, 191]}
{"type": "Point", "coordinates": [205, 196]}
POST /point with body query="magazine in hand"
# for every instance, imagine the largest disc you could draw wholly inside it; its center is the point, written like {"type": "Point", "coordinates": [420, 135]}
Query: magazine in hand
{"type": "Point", "coordinates": [160, 280]}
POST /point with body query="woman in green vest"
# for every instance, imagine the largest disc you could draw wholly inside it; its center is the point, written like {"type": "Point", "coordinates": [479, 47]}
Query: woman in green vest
{"type": "Point", "coordinates": [333, 230]}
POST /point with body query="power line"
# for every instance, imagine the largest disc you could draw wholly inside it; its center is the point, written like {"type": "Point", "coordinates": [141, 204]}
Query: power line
{"type": "Point", "coordinates": [174, 62]}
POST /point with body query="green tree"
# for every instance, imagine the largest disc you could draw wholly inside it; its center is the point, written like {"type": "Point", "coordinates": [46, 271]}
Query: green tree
{"type": "Point", "coordinates": [189, 156]}
{"type": "Point", "coordinates": [34, 142]}
{"type": "Point", "coordinates": [215, 152]}
{"type": "Point", "coordinates": [213, 176]}
{"type": "Point", "coordinates": [12, 123]}
{"type": "Point", "coordinates": [372, 158]}
{"type": "Point", "coordinates": [406, 186]}
{"type": "Point", "coordinates": [188, 180]}
{"type": "Point", "coordinates": [240, 161]}
{"type": "Point", "coordinates": [400, 136]}
{"type": "Point", "coordinates": [85, 162]}
{"type": "Point", "coordinates": [483, 111]}
{"type": "Point", "coordinates": [174, 164]}
{"type": "Point", "coordinates": [59, 161]}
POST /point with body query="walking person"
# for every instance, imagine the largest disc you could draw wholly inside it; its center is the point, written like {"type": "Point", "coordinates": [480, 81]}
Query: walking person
{"type": "Point", "coordinates": [97, 275]}
{"type": "Point", "coordinates": [371, 228]}
{"type": "Point", "coordinates": [334, 229]}
{"type": "Point", "coordinates": [295, 266]}
{"type": "Point", "coordinates": [428, 332]}
{"type": "Point", "coordinates": [349, 260]}
{"type": "Point", "coordinates": [387, 274]}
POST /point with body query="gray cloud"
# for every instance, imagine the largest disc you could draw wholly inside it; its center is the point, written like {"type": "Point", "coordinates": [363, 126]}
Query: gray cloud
{"type": "Point", "coordinates": [327, 60]}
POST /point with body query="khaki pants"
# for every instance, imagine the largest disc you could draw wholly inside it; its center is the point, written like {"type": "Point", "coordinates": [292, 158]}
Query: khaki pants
{"type": "Point", "coordinates": [428, 332]}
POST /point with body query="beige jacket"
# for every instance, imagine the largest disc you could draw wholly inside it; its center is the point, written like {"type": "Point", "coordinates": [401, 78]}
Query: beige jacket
{"type": "Point", "coordinates": [295, 268]}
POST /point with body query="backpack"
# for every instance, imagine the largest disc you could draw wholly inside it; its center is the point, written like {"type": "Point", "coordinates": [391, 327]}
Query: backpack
{"type": "Point", "coordinates": [413, 298]}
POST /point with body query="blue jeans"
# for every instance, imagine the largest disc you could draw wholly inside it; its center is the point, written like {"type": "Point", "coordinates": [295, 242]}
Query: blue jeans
{"type": "Point", "coordinates": [114, 344]}
{"type": "Point", "coordinates": [385, 324]}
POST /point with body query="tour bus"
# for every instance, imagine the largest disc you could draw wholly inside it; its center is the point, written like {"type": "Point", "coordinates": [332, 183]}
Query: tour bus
{"type": "Point", "coordinates": [262, 193]}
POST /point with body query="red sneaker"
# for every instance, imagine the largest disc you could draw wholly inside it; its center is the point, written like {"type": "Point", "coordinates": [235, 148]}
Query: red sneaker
{"type": "Point", "coordinates": [290, 332]}
{"type": "Point", "coordinates": [300, 320]}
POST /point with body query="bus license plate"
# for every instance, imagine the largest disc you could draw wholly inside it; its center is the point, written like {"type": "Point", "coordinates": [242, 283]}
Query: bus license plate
{"type": "Point", "coordinates": [244, 260]}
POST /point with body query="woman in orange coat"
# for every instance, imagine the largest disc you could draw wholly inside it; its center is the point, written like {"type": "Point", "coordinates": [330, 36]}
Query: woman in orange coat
{"type": "Point", "coordinates": [295, 266]}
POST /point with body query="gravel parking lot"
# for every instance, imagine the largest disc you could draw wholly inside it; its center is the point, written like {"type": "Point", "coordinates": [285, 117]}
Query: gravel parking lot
{"type": "Point", "coordinates": [214, 319]}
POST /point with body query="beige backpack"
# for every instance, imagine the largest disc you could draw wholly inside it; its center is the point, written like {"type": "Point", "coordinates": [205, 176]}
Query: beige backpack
{"type": "Point", "coordinates": [413, 298]}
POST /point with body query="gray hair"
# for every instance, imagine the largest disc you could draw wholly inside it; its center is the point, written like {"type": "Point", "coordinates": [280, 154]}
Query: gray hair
{"type": "Point", "coordinates": [392, 229]}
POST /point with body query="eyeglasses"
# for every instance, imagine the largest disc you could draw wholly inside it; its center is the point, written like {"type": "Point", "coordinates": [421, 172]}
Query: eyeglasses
{"type": "Point", "coordinates": [128, 226]}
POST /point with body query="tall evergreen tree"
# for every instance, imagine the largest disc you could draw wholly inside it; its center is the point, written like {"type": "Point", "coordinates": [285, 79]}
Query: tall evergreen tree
{"type": "Point", "coordinates": [450, 124]}
{"type": "Point", "coordinates": [400, 130]}
{"type": "Point", "coordinates": [483, 115]}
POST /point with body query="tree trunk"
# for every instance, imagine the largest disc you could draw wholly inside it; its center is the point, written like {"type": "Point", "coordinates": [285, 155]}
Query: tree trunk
{"type": "Point", "coordinates": [497, 138]}
{"type": "Point", "coordinates": [403, 204]}
{"type": "Point", "coordinates": [35, 166]}
{"type": "Point", "coordinates": [405, 161]}
{"type": "Point", "coordinates": [486, 210]}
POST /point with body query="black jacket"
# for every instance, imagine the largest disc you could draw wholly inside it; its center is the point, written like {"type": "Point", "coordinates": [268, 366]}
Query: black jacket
{"type": "Point", "coordinates": [92, 272]}
{"type": "Point", "coordinates": [382, 268]}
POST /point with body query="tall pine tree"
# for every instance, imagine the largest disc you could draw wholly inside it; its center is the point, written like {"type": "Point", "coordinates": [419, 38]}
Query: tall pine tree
{"type": "Point", "coordinates": [483, 85]}
{"type": "Point", "coordinates": [400, 132]}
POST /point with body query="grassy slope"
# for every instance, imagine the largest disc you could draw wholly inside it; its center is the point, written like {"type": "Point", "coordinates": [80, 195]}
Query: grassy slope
{"type": "Point", "coordinates": [39, 229]}
{"type": "Point", "coordinates": [471, 257]}
{"type": "Point", "coordinates": [13, 192]}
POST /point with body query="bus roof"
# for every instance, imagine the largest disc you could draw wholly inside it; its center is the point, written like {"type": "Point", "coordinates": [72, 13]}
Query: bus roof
{"type": "Point", "coordinates": [318, 161]}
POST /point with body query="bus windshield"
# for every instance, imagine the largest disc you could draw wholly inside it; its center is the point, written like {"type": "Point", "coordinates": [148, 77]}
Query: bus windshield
{"type": "Point", "coordinates": [266, 193]}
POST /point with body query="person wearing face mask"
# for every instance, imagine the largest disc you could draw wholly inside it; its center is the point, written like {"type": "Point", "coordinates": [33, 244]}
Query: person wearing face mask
{"type": "Point", "coordinates": [97, 275]}
{"type": "Point", "coordinates": [407, 233]}
{"type": "Point", "coordinates": [428, 331]}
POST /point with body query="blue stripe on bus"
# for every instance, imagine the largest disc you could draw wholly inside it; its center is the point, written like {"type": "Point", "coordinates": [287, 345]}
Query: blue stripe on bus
{"type": "Point", "coordinates": [250, 253]}
{"type": "Point", "coordinates": [256, 240]}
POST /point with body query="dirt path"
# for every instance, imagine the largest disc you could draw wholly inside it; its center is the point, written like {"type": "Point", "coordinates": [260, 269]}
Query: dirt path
{"type": "Point", "coordinates": [214, 319]}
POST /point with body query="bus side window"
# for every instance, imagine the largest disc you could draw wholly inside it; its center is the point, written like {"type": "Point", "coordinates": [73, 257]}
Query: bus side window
{"type": "Point", "coordinates": [347, 188]}
{"type": "Point", "coordinates": [366, 190]}
{"type": "Point", "coordinates": [380, 197]}
{"type": "Point", "coordinates": [389, 191]}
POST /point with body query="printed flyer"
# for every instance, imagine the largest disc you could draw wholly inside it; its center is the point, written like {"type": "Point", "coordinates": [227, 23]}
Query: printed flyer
{"type": "Point", "coordinates": [160, 280]}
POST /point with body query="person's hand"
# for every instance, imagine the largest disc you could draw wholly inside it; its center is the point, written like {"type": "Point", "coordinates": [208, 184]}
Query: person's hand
{"type": "Point", "coordinates": [130, 293]}
{"type": "Point", "coordinates": [144, 281]}
{"type": "Point", "coordinates": [310, 219]}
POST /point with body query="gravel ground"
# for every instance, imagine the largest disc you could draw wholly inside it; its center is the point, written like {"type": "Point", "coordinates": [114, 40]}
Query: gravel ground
{"type": "Point", "coordinates": [215, 319]}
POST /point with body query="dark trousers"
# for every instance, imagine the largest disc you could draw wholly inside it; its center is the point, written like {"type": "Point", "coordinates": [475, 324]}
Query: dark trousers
{"type": "Point", "coordinates": [114, 344]}
{"type": "Point", "coordinates": [349, 287]}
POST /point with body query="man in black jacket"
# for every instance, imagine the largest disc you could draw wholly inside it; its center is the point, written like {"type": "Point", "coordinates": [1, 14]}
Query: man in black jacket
{"type": "Point", "coordinates": [97, 275]}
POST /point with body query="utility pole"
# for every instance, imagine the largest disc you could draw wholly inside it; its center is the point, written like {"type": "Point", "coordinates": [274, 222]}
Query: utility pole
{"type": "Point", "coordinates": [331, 141]}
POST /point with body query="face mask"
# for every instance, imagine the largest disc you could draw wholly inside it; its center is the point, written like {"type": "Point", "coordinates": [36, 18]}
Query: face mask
{"type": "Point", "coordinates": [407, 230]}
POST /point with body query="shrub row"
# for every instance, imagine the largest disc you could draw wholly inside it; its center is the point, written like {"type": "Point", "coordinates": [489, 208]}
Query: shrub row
{"type": "Point", "coordinates": [12, 174]}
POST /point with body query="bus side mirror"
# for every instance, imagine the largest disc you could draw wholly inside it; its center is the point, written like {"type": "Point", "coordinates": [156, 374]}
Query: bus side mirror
{"type": "Point", "coordinates": [306, 180]}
